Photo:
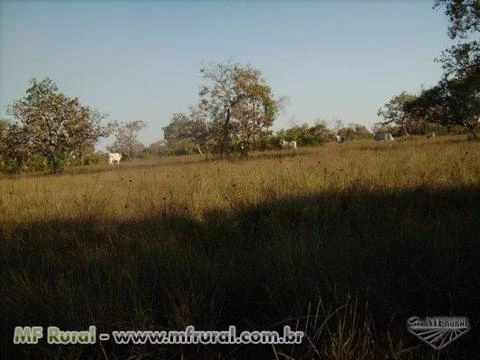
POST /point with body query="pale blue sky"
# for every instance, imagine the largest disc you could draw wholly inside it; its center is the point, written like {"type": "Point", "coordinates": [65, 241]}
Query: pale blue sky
{"type": "Point", "coordinates": [141, 60]}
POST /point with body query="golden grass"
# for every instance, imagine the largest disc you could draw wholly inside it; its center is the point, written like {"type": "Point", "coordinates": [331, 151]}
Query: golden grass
{"type": "Point", "coordinates": [191, 186]}
{"type": "Point", "coordinates": [164, 243]}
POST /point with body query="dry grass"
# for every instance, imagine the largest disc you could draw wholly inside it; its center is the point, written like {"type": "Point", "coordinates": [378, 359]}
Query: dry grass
{"type": "Point", "coordinates": [170, 242]}
{"type": "Point", "coordinates": [138, 189]}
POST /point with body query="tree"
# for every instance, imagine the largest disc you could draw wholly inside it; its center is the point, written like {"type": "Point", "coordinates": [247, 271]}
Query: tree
{"type": "Point", "coordinates": [354, 131]}
{"type": "Point", "coordinates": [393, 112]}
{"type": "Point", "coordinates": [450, 102]}
{"type": "Point", "coordinates": [126, 138]}
{"type": "Point", "coordinates": [157, 148]}
{"type": "Point", "coordinates": [14, 146]}
{"type": "Point", "coordinates": [238, 100]}
{"type": "Point", "coordinates": [455, 100]}
{"type": "Point", "coordinates": [3, 126]}
{"type": "Point", "coordinates": [462, 61]}
{"type": "Point", "coordinates": [192, 127]}
{"type": "Point", "coordinates": [305, 135]}
{"type": "Point", "coordinates": [50, 124]}
{"type": "Point", "coordinates": [320, 131]}
{"type": "Point", "coordinates": [464, 16]}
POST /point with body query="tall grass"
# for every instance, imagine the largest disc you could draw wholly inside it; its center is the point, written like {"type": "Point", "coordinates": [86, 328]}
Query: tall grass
{"type": "Point", "coordinates": [343, 241]}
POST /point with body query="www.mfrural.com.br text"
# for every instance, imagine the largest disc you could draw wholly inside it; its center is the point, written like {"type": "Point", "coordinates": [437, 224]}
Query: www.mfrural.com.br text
{"type": "Point", "coordinates": [54, 335]}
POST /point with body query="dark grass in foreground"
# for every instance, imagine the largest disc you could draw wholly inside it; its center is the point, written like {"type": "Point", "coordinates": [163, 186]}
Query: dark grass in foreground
{"type": "Point", "coordinates": [348, 267]}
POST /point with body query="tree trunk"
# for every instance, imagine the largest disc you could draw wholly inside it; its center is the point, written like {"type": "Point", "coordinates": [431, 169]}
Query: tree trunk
{"type": "Point", "coordinates": [54, 164]}
{"type": "Point", "coordinates": [405, 130]}
{"type": "Point", "coordinates": [199, 150]}
{"type": "Point", "coordinates": [471, 128]}
{"type": "Point", "coordinates": [225, 133]}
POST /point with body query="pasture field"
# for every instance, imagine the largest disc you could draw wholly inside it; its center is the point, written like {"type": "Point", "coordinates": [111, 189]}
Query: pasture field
{"type": "Point", "coordinates": [344, 242]}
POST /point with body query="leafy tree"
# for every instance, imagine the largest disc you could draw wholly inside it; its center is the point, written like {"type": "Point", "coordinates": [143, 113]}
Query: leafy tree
{"type": "Point", "coordinates": [50, 124]}
{"type": "Point", "coordinates": [393, 112]}
{"type": "Point", "coordinates": [354, 131]}
{"type": "Point", "coordinates": [464, 16]}
{"type": "Point", "coordinates": [157, 148]}
{"type": "Point", "coordinates": [192, 127]}
{"type": "Point", "coordinates": [462, 60]}
{"type": "Point", "coordinates": [126, 138]}
{"type": "Point", "coordinates": [3, 126]}
{"type": "Point", "coordinates": [238, 100]}
{"type": "Point", "coordinates": [320, 131]}
{"type": "Point", "coordinates": [455, 100]}
{"type": "Point", "coordinates": [449, 103]}
{"type": "Point", "coordinates": [14, 146]}
{"type": "Point", "coordinates": [306, 135]}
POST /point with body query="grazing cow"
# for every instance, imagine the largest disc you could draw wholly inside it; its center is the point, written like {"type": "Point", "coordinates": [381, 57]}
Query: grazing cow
{"type": "Point", "coordinates": [431, 135]}
{"type": "Point", "coordinates": [340, 138]}
{"type": "Point", "coordinates": [288, 144]}
{"type": "Point", "coordinates": [379, 136]}
{"type": "Point", "coordinates": [244, 148]}
{"type": "Point", "coordinates": [114, 158]}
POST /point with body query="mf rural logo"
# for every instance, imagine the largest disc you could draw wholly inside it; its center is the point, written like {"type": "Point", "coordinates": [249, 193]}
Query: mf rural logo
{"type": "Point", "coordinates": [438, 331]}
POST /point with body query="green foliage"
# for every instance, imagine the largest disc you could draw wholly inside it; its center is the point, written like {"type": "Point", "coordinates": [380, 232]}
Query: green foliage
{"type": "Point", "coordinates": [15, 148]}
{"type": "Point", "coordinates": [355, 132]}
{"type": "Point", "coordinates": [306, 135]}
{"type": "Point", "coordinates": [158, 148]}
{"type": "Point", "coordinates": [450, 102]}
{"type": "Point", "coordinates": [464, 16]}
{"type": "Point", "coordinates": [180, 147]}
{"type": "Point", "coordinates": [94, 158]}
{"type": "Point", "coordinates": [455, 100]}
{"type": "Point", "coordinates": [191, 128]}
{"type": "Point", "coordinates": [51, 125]}
{"type": "Point", "coordinates": [238, 101]}
{"type": "Point", "coordinates": [393, 112]}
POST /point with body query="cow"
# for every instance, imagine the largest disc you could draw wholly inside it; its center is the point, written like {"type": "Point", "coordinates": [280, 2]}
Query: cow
{"type": "Point", "coordinates": [288, 144]}
{"type": "Point", "coordinates": [340, 138]}
{"type": "Point", "coordinates": [244, 148]}
{"type": "Point", "coordinates": [431, 135]}
{"type": "Point", "coordinates": [386, 136]}
{"type": "Point", "coordinates": [114, 158]}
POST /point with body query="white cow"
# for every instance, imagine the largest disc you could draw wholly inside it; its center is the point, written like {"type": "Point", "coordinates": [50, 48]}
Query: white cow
{"type": "Point", "coordinates": [114, 158]}
{"type": "Point", "coordinates": [383, 136]}
{"type": "Point", "coordinates": [340, 139]}
{"type": "Point", "coordinates": [288, 144]}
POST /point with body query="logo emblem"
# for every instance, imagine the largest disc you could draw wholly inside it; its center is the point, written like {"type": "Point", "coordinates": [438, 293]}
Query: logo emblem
{"type": "Point", "coordinates": [438, 331]}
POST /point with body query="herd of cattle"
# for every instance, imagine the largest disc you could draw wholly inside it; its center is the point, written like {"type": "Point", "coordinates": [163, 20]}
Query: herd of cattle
{"type": "Point", "coordinates": [378, 136]}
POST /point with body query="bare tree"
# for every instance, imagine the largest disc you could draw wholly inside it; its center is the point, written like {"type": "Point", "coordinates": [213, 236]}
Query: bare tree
{"type": "Point", "coordinates": [126, 138]}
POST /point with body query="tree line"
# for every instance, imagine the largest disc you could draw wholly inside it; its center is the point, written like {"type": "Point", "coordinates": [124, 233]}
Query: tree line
{"type": "Point", "coordinates": [455, 100]}
{"type": "Point", "coordinates": [236, 109]}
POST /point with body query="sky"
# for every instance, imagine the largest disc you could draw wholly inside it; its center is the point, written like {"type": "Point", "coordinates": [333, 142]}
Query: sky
{"type": "Point", "coordinates": [141, 60]}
